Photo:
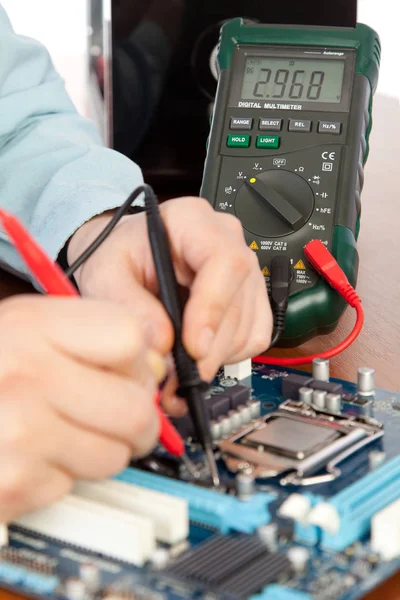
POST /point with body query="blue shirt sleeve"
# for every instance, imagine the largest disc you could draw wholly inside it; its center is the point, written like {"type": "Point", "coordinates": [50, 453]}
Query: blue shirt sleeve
{"type": "Point", "coordinates": [54, 172]}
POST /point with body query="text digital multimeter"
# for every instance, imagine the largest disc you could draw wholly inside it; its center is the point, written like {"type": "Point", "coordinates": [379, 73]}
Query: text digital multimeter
{"type": "Point", "coordinates": [288, 143]}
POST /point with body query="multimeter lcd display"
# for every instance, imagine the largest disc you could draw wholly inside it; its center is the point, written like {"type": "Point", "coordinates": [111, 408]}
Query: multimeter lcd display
{"type": "Point", "coordinates": [288, 79]}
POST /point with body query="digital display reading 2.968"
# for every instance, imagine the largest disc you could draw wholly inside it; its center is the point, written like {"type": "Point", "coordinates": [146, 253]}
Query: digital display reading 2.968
{"type": "Point", "coordinates": [307, 80]}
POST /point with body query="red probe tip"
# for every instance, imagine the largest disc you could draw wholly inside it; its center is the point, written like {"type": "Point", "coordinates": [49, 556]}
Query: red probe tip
{"type": "Point", "coordinates": [169, 437]}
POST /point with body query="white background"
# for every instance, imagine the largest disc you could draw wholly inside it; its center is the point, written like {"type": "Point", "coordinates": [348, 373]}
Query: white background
{"type": "Point", "coordinates": [61, 26]}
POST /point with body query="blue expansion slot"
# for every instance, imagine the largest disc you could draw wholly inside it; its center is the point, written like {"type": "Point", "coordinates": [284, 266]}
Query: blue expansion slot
{"type": "Point", "coordinates": [358, 503]}
{"type": "Point", "coordinates": [209, 508]}
{"type": "Point", "coordinates": [277, 592]}
{"type": "Point", "coordinates": [37, 583]}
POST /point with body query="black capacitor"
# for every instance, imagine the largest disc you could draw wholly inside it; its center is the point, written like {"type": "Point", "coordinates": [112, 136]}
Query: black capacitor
{"type": "Point", "coordinates": [239, 394]}
{"type": "Point", "coordinates": [292, 383]}
{"type": "Point", "coordinates": [327, 386]}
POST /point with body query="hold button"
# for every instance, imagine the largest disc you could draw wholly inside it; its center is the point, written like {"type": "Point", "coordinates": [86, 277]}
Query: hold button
{"type": "Point", "coordinates": [236, 140]}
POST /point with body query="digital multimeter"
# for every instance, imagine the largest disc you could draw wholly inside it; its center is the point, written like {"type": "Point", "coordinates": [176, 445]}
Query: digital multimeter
{"type": "Point", "coordinates": [288, 143]}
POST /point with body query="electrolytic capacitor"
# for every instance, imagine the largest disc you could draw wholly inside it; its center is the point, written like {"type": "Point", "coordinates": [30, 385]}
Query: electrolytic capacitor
{"type": "Point", "coordinates": [366, 381]}
{"type": "Point", "coordinates": [245, 414]}
{"type": "Point", "coordinates": [216, 430]}
{"type": "Point", "coordinates": [306, 395]}
{"type": "Point", "coordinates": [320, 369]}
{"type": "Point", "coordinates": [235, 420]}
{"type": "Point", "coordinates": [334, 402]}
{"type": "Point", "coordinates": [225, 426]}
{"type": "Point", "coordinates": [245, 484]}
{"type": "Point", "coordinates": [255, 408]}
{"type": "Point", "coordinates": [319, 398]}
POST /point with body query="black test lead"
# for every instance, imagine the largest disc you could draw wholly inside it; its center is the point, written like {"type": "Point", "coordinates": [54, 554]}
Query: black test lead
{"type": "Point", "coordinates": [191, 386]}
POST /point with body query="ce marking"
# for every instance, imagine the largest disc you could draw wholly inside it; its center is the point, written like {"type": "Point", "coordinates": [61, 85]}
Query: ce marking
{"type": "Point", "coordinates": [329, 155]}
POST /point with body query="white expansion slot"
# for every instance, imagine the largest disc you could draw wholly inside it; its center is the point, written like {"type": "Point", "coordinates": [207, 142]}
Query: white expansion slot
{"type": "Point", "coordinates": [385, 532]}
{"type": "Point", "coordinates": [3, 535]}
{"type": "Point", "coordinates": [170, 515]}
{"type": "Point", "coordinates": [96, 527]}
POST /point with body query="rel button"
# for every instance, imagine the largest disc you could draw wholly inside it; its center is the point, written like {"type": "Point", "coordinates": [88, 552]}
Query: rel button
{"type": "Point", "coordinates": [295, 125]}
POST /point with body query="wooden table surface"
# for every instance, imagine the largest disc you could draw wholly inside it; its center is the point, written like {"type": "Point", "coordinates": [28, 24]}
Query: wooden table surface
{"type": "Point", "coordinates": [378, 285]}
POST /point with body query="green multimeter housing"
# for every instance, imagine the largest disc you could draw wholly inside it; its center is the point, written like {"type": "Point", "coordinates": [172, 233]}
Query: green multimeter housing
{"type": "Point", "coordinates": [287, 149]}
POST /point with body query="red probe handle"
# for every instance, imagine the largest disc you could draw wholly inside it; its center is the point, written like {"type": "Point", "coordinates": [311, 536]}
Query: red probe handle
{"type": "Point", "coordinates": [169, 437]}
{"type": "Point", "coordinates": [47, 273]}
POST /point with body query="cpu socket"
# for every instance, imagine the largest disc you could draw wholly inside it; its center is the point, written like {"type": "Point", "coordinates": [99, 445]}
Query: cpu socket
{"type": "Point", "coordinates": [297, 439]}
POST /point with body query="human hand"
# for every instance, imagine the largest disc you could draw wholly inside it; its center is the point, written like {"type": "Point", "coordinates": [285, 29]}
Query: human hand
{"type": "Point", "coordinates": [227, 317]}
{"type": "Point", "coordinates": [77, 388]}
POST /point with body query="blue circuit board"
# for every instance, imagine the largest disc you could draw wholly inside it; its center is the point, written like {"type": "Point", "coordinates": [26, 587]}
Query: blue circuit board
{"type": "Point", "coordinates": [38, 567]}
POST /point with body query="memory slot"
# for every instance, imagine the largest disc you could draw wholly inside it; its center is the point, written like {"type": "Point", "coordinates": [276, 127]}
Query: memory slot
{"type": "Point", "coordinates": [346, 517]}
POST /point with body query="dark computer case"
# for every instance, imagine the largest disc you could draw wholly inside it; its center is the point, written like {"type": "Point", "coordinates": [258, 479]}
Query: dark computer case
{"type": "Point", "coordinates": [152, 82]}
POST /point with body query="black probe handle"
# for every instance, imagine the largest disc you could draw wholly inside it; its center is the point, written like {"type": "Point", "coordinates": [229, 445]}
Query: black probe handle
{"type": "Point", "coordinates": [191, 387]}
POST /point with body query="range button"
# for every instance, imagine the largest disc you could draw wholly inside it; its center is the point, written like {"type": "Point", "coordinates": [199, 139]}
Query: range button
{"type": "Point", "coordinates": [266, 124]}
{"type": "Point", "coordinates": [241, 123]}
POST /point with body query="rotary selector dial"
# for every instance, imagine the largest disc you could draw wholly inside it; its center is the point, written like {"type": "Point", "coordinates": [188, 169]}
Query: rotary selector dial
{"type": "Point", "coordinates": [274, 203]}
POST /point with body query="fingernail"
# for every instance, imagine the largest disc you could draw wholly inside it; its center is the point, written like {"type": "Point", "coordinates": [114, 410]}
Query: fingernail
{"type": "Point", "coordinates": [157, 365]}
{"type": "Point", "coordinates": [205, 342]}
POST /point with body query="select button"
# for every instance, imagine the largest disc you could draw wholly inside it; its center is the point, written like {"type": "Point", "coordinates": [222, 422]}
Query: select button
{"type": "Point", "coordinates": [270, 124]}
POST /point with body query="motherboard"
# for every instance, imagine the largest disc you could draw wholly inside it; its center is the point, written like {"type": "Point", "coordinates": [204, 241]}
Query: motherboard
{"type": "Point", "coordinates": [308, 505]}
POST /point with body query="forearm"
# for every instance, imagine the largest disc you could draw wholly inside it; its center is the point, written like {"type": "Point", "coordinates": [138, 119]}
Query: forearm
{"type": "Point", "coordinates": [54, 173]}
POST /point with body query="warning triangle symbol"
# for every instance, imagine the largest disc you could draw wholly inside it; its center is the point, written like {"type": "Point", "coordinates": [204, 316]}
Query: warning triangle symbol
{"type": "Point", "coordinates": [253, 245]}
{"type": "Point", "coordinates": [265, 272]}
{"type": "Point", "coordinates": [299, 265]}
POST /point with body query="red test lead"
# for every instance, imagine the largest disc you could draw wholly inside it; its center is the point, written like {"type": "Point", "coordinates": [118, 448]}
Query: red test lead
{"type": "Point", "coordinates": [326, 265]}
{"type": "Point", "coordinates": [47, 273]}
{"type": "Point", "coordinates": [172, 441]}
